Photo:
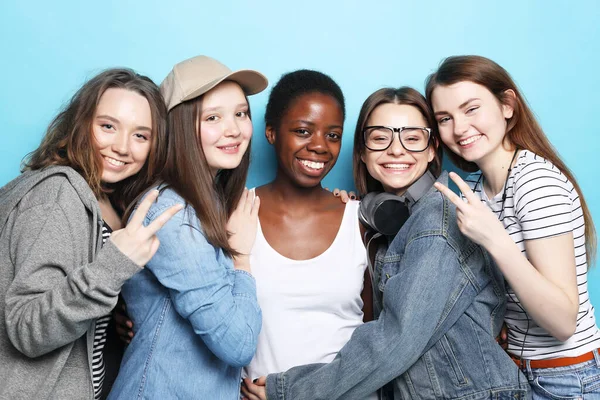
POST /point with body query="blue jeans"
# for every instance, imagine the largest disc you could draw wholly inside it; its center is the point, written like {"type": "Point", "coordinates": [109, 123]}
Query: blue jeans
{"type": "Point", "coordinates": [579, 381]}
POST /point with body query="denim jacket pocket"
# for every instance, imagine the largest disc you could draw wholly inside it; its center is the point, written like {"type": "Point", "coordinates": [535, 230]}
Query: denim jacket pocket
{"type": "Point", "coordinates": [387, 267]}
{"type": "Point", "coordinates": [450, 355]}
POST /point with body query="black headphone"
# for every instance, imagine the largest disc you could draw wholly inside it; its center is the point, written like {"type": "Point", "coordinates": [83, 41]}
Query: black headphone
{"type": "Point", "coordinates": [386, 212]}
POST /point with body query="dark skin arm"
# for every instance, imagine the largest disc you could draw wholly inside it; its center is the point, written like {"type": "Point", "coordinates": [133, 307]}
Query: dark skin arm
{"type": "Point", "coordinates": [367, 293]}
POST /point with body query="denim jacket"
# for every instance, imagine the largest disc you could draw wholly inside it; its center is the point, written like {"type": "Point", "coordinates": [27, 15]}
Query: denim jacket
{"type": "Point", "coordinates": [196, 319]}
{"type": "Point", "coordinates": [443, 305]}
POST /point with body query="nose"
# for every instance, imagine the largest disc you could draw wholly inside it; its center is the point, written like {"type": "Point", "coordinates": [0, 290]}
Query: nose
{"type": "Point", "coordinates": [231, 128]}
{"type": "Point", "coordinates": [120, 144]}
{"type": "Point", "coordinates": [317, 143]}
{"type": "Point", "coordinates": [396, 149]}
{"type": "Point", "coordinates": [460, 126]}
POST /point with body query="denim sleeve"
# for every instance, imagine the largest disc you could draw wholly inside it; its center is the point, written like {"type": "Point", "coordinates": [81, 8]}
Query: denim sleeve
{"type": "Point", "coordinates": [219, 302]}
{"type": "Point", "coordinates": [417, 301]}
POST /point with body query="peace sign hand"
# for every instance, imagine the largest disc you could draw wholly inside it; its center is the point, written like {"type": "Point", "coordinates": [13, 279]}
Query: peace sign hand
{"type": "Point", "coordinates": [475, 220]}
{"type": "Point", "coordinates": [139, 242]}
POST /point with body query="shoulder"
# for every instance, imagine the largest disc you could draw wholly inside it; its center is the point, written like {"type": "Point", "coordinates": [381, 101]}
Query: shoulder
{"type": "Point", "coordinates": [167, 198]}
{"type": "Point", "coordinates": [68, 191]}
{"type": "Point", "coordinates": [535, 172]}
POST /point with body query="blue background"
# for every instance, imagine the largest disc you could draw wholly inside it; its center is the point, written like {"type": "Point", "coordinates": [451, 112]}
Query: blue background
{"type": "Point", "coordinates": [49, 48]}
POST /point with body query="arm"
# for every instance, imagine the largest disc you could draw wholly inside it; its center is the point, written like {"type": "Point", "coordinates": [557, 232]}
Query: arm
{"type": "Point", "coordinates": [544, 281]}
{"type": "Point", "coordinates": [416, 312]}
{"type": "Point", "coordinates": [56, 293]}
{"type": "Point", "coordinates": [219, 302]}
{"type": "Point", "coordinates": [367, 297]}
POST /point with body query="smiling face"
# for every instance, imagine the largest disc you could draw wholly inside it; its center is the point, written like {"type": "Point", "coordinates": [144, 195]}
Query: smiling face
{"type": "Point", "coordinates": [396, 168]}
{"type": "Point", "coordinates": [309, 138]}
{"type": "Point", "coordinates": [225, 126]}
{"type": "Point", "coordinates": [471, 120]}
{"type": "Point", "coordinates": [122, 132]}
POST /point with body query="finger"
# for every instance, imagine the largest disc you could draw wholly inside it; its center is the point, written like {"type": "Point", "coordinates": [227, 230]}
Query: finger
{"type": "Point", "coordinates": [344, 196]}
{"type": "Point", "coordinates": [138, 215]}
{"type": "Point", "coordinates": [262, 381]}
{"type": "Point", "coordinates": [255, 207]}
{"type": "Point", "coordinates": [464, 188]}
{"type": "Point", "coordinates": [352, 195]}
{"type": "Point", "coordinates": [251, 390]}
{"type": "Point", "coordinates": [327, 189]}
{"type": "Point", "coordinates": [154, 246]}
{"type": "Point", "coordinates": [163, 219]}
{"type": "Point", "coordinates": [242, 204]}
{"type": "Point", "coordinates": [249, 201]}
{"type": "Point", "coordinates": [453, 197]}
{"type": "Point", "coordinates": [248, 392]}
{"type": "Point", "coordinates": [336, 192]}
{"type": "Point", "coordinates": [248, 395]}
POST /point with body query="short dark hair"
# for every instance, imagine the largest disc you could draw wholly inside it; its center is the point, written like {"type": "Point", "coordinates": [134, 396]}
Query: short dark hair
{"type": "Point", "coordinates": [295, 84]}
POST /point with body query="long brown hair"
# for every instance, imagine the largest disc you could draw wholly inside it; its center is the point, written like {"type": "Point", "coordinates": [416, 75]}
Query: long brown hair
{"type": "Point", "coordinates": [188, 173]}
{"type": "Point", "coordinates": [69, 138]}
{"type": "Point", "coordinates": [522, 131]}
{"type": "Point", "coordinates": [363, 181]}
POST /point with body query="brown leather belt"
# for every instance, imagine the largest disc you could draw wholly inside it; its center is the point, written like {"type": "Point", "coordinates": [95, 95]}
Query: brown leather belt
{"type": "Point", "coordinates": [554, 362]}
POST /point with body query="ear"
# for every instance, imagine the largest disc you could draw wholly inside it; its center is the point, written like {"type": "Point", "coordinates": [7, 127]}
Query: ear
{"type": "Point", "coordinates": [362, 158]}
{"type": "Point", "coordinates": [508, 103]}
{"type": "Point", "coordinates": [431, 153]}
{"type": "Point", "coordinates": [270, 134]}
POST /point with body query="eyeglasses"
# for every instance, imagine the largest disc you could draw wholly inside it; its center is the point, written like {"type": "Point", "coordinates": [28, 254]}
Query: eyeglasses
{"type": "Point", "coordinates": [412, 138]}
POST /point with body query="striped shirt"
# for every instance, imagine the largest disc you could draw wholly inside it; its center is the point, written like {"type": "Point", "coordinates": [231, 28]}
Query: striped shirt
{"type": "Point", "coordinates": [541, 202]}
{"type": "Point", "coordinates": [98, 369]}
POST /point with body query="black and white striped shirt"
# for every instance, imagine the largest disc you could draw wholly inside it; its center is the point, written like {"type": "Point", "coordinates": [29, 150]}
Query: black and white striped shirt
{"type": "Point", "coordinates": [541, 202]}
{"type": "Point", "coordinates": [100, 337]}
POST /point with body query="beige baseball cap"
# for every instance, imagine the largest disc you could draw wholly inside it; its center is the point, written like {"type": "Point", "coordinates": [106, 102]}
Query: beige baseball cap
{"type": "Point", "coordinates": [194, 77]}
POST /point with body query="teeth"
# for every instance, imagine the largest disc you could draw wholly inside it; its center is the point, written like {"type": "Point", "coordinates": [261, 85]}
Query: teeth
{"type": "Point", "coordinates": [396, 166]}
{"type": "Point", "coordinates": [469, 140]}
{"type": "Point", "coordinates": [312, 164]}
{"type": "Point", "coordinates": [114, 162]}
{"type": "Point", "coordinates": [230, 147]}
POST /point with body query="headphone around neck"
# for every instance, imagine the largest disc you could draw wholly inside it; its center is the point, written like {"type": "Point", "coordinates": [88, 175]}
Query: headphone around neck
{"type": "Point", "coordinates": [386, 212]}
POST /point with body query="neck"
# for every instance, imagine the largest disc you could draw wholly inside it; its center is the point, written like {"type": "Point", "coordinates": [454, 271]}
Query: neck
{"type": "Point", "coordinates": [293, 195]}
{"type": "Point", "coordinates": [495, 169]}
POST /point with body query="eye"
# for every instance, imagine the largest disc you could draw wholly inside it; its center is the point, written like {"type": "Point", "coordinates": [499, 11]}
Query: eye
{"type": "Point", "coordinates": [241, 114]}
{"type": "Point", "coordinates": [412, 138]}
{"type": "Point", "coordinates": [334, 136]}
{"type": "Point", "coordinates": [212, 118]}
{"type": "Point", "coordinates": [470, 110]}
{"type": "Point", "coordinates": [108, 127]}
{"type": "Point", "coordinates": [302, 132]}
{"type": "Point", "coordinates": [443, 120]}
{"type": "Point", "coordinates": [141, 136]}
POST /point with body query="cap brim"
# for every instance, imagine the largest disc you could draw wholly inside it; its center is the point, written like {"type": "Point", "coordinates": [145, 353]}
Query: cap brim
{"type": "Point", "coordinates": [252, 82]}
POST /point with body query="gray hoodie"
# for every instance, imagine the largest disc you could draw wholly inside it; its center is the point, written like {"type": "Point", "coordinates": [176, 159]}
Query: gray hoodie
{"type": "Point", "coordinates": [56, 279]}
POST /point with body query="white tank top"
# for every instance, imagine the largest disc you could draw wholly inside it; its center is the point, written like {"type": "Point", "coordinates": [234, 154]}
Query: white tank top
{"type": "Point", "coordinates": [310, 307]}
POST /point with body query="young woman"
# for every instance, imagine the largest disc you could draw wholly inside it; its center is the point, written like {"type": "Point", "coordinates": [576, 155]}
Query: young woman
{"type": "Point", "coordinates": [308, 258]}
{"type": "Point", "coordinates": [443, 301]}
{"type": "Point", "coordinates": [194, 308]}
{"type": "Point", "coordinates": [60, 277]}
{"type": "Point", "coordinates": [525, 207]}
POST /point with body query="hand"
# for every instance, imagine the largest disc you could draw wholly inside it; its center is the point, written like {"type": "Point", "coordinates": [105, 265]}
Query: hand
{"type": "Point", "coordinates": [123, 324]}
{"type": "Point", "coordinates": [254, 390]}
{"type": "Point", "coordinates": [139, 242]}
{"type": "Point", "coordinates": [243, 223]}
{"type": "Point", "coordinates": [502, 338]}
{"type": "Point", "coordinates": [475, 220]}
{"type": "Point", "coordinates": [344, 195]}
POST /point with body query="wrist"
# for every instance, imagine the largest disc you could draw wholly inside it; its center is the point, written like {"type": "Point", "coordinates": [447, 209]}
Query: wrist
{"type": "Point", "coordinates": [500, 246]}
